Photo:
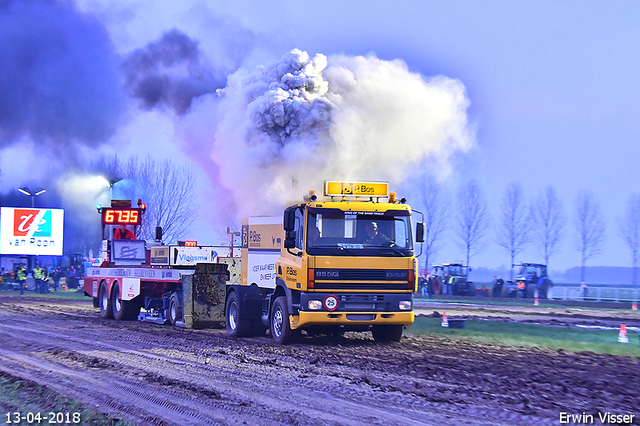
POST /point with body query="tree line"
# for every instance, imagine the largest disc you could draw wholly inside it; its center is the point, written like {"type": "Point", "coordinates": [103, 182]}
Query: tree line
{"type": "Point", "coordinates": [541, 222]}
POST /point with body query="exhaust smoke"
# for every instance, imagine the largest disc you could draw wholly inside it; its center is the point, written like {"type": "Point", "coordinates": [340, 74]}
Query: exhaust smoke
{"type": "Point", "coordinates": [301, 120]}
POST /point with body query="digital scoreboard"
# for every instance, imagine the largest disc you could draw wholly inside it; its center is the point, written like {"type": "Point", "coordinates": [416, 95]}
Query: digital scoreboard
{"type": "Point", "coordinates": [120, 215]}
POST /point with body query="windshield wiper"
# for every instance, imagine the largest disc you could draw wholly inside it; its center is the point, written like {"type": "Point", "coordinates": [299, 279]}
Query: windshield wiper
{"type": "Point", "coordinates": [341, 248]}
{"type": "Point", "coordinates": [395, 250]}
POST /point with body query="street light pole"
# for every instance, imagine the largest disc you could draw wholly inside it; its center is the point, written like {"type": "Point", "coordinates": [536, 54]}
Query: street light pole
{"type": "Point", "coordinates": [110, 183]}
{"type": "Point", "coordinates": [31, 194]}
{"type": "Point", "coordinates": [232, 234]}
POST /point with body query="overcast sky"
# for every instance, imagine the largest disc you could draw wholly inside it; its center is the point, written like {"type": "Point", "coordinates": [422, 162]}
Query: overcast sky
{"type": "Point", "coordinates": [539, 92]}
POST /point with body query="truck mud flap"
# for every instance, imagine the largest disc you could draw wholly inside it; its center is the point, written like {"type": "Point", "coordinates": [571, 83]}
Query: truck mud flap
{"type": "Point", "coordinates": [204, 296]}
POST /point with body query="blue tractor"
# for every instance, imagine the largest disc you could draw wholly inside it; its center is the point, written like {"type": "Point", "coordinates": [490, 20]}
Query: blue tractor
{"type": "Point", "coordinates": [532, 281]}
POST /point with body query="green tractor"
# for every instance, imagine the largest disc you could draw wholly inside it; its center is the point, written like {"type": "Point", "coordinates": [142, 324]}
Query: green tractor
{"type": "Point", "coordinates": [461, 286]}
{"type": "Point", "coordinates": [532, 281]}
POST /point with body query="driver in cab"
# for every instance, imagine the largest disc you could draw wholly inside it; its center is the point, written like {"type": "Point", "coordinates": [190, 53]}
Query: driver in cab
{"type": "Point", "coordinates": [374, 237]}
{"type": "Point", "coordinates": [123, 233]}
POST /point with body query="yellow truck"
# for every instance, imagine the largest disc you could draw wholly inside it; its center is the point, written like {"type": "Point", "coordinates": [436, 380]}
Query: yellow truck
{"type": "Point", "coordinates": [344, 263]}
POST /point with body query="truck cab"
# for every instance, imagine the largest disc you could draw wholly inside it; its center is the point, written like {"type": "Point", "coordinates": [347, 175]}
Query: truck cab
{"type": "Point", "coordinates": [346, 264]}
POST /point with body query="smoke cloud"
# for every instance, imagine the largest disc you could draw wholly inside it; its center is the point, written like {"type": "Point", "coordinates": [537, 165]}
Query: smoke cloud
{"type": "Point", "coordinates": [60, 80]}
{"type": "Point", "coordinates": [264, 137]}
{"type": "Point", "coordinates": [170, 72]}
{"type": "Point", "coordinates": [288, 126]}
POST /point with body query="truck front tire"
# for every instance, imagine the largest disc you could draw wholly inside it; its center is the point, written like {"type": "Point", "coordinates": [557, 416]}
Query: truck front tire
{"type": "Point", "coordinates": [280, 327]}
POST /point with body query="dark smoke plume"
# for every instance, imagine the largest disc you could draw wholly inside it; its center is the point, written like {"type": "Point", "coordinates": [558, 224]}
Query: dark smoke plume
{"type": "Point", "coordinates": [299, 120]}
{"type": "Point", "coordinates": [170, 72]}
{"type": "Point", "coordinates": [59, 75]}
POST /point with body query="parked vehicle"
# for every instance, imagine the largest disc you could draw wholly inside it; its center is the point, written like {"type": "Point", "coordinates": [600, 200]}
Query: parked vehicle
{"type": "Point", "coordinates": [461, 286]}
{"type": "Point", "coordinates": [532, 282]}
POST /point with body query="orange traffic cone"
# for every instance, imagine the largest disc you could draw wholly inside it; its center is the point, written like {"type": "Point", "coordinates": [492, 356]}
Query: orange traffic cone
{"type": "Point", "coordinates": [536, 302]}
{"type": "Point", "coordinates": [64, 287]}
{"type": "Point", "coordinates": [445, 321]}
{"type": "Point", "coordinates": [634, 306]}
{"type": "Point", "coordinates": [622, 337]}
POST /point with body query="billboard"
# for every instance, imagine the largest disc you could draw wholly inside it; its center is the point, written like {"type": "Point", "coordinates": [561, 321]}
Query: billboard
{"type": "Point", "coordinates": [31, 231]}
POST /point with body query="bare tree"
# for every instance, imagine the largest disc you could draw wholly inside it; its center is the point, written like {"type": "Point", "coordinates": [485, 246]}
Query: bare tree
{"type": "Point", "coordinates": [110, 166]}
{"type": "Point", "coordinates": [168, 191]}
{"type": "Point", "coordinates": [513, 231]}
{"type": "Point", "coordinates": [589, 224]}
{"type": "Point", "coordinates": [549, 222]}
{"type": "Point", "coordinates": [630, 232]}
{"type": "Point", "coordinates": [473, 219]}
{"type": "Point", "coordinates": [436, 209]}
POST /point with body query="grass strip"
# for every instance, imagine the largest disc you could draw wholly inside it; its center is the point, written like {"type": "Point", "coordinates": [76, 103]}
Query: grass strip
{"type": "Point", "coordinates": [531, 335]}
{"type": "Point", "coordinates": [62, 294]}
{"type": "Point", "coordinates": [23, 396]}
{"type": "Point", "coordinates": [520, 302]}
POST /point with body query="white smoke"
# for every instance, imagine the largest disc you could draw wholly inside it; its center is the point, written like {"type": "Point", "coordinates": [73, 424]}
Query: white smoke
{"type": "Point", "coordinates": [291, 125]}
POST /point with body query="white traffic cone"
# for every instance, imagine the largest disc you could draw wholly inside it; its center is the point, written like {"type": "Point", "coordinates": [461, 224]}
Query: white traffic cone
{"type": "Point", "coordinates": [445, 321]}
{"type": "Point", "coordinates": [622, 337]}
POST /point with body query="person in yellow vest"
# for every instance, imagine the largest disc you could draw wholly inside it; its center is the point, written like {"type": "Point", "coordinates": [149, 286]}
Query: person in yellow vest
{"type": "Point", "coordinates": [45, 279]}
{"type": "Point", "coordinates": [452, 281]}
{"type": "Point", "coordinates": [21, 276]}
{"type": "Point", "coordinates": [37, 277]}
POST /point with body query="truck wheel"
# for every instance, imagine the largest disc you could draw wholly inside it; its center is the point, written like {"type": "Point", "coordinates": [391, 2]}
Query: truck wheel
{"type": "Point", "coordinates": [105, 304]}
{"type": "Point", "coordinates": [175, 310]}
{"type": "Point", "coordinates": [280, 327]}
{"type": "Point", "coordinates": [387, 333]}
{"type": "Point", "coordinates": [123, 310]}
{"type": "Point", "coordinates": [237, 326]}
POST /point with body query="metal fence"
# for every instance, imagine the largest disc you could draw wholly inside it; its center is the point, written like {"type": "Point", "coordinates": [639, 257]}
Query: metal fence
{"type": "Point", "coordinates": [599, 294]}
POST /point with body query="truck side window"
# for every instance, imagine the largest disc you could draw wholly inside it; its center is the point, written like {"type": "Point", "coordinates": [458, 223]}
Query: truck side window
{"type": "Point", "coordinates": [299, 228]}
{"type": "Point", "coordinates": [400, 234]}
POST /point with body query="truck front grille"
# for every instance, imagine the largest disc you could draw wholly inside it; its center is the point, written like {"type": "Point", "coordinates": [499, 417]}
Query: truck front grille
{"type": "Point", "coordinates": [360, 286]}
{"type": "Point", "coordinates": [361, 275]}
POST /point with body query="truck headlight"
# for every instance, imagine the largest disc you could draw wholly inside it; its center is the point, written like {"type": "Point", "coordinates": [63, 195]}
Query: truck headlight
{"type": "Point", "coordinates": [405, 305]}
{"type": "Point", "coordinates": [315, 305]}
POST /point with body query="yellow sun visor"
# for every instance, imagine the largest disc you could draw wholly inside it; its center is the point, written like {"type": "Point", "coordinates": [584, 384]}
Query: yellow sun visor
{"type": "Point", "coordinates": [368, 189]}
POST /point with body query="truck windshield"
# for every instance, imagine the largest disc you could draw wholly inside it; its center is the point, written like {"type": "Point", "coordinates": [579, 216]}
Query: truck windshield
{"type": "Point", "coordinates": [332, 232]}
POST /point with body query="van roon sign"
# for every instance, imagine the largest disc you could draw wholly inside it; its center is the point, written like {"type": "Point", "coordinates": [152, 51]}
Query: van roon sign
{"type": "Point", "coordinates": [31, 231]}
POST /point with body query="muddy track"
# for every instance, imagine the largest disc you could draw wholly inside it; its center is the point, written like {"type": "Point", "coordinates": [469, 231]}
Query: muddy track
{"type": "Point", "coordinates": [150, 374]}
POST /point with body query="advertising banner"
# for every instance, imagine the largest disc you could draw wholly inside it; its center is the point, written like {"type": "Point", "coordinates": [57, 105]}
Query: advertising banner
{"type": "Point", "coordinates": [262, 233]}
{"type": "Point", "coordinates": [128, 250]}
{"type": "Point", "coordinates": [190, 256]}
{"type": "Point", "coordinates": [31, 231]}
{"type": "Point", "coordinates": [261, 268]}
